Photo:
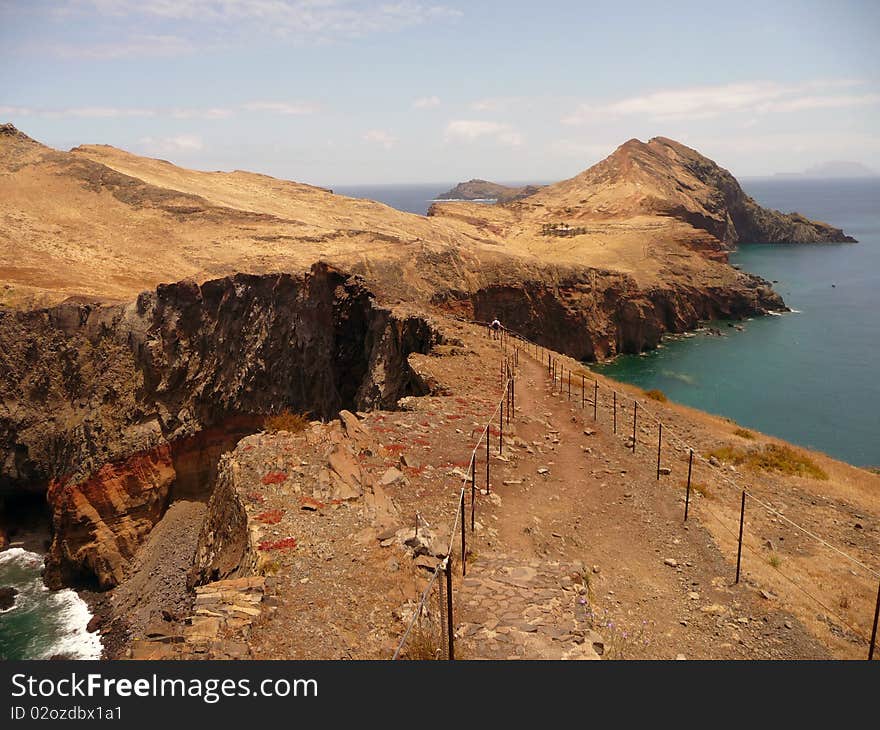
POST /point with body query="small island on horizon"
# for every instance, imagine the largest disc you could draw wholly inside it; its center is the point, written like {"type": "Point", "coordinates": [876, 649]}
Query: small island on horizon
{"type": "Point", "coordinates": [484, 190]}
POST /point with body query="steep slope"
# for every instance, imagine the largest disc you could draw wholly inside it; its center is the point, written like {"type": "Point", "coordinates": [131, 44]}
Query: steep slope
{"type": "Point", "coordinates": [665, 178]}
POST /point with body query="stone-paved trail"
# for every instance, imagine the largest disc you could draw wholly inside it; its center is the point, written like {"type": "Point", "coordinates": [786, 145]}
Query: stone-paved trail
{"type": "Point", "coordinates": [580, 551]}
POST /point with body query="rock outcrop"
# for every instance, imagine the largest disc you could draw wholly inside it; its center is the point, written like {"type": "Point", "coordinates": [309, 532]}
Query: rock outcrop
{"type": "Point", "coordinates": [484, 190]}
{"type": "Point", "coordinates": [106, 407]}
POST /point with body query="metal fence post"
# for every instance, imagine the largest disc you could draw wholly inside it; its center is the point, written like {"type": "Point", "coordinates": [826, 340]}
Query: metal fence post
{"type": "Point", "coordinates": [488, 433]}
{"type": "Point", "coordinates": [635, 417]}
{"type": "Point", "coordinates": [659, 444]}
{"type": "Point", "coordinates": [615, 410]}
{"type": "Point", "coordinates": [450, 626]}
{"type": "Point", "coordinates": [742, 517]}
{"type": "Point", "coordinates": [583, 391]}
{"type": "Point", "coordinates": [473, 494]}
{"type": "Point", "coordinates": [687, 494]}
{"type": "Point", "coordinates": [501, 428]}
{"type": "Point", "coordinates": [463, 530]}
{"type": "Point", "coordinates": [874, 630]}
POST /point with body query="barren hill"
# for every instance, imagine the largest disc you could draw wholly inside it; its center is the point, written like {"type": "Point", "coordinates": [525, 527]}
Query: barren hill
{"type": "Point", "coordinates": [601, 263]}
{"type": "Point", "coordinates": [667, 179]}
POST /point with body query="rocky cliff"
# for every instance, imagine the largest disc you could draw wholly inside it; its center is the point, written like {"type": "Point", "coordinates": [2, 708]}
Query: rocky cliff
{"type": "Point", "coordinates": [105, 406]}
{"type": "Point", "coordinates": [665, 178]}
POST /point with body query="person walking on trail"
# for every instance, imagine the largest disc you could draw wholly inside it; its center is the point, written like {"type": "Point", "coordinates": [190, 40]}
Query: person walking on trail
{"type": "Point", "coordinates": [496, 328]}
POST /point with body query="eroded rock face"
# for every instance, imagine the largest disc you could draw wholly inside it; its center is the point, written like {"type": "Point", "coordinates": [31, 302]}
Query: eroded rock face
{"type": "Point", "coordinates": [101, 521]}
{"type": "Point", "coordinates": [596, 315]}
{"type": "Point", "coordinates": [110, 404]}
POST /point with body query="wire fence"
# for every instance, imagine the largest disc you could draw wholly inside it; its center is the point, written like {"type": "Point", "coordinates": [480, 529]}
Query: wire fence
{"type": "Point", "coordinates": [430, 632]}
{"type": "Point", "coordinates": [589, 397]}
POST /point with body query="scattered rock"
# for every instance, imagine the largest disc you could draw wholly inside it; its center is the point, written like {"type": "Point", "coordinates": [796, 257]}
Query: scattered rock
{"type": "Point", "coordinates": [7, 597]}
{"type": "Point", "coordinates": [391, 476]}
{"type": "Point", "coordinates": [310, 504]}
{"type": "Point", "coordinates": [714, 608]}
{"type": "Point", "coordinates": [409, 461]}
{"type": "Point", "coordinates": [671, 562]}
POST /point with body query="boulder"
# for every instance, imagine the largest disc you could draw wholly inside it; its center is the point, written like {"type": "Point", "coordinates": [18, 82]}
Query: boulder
{"type": "Point", "coordinates": [7, 597]}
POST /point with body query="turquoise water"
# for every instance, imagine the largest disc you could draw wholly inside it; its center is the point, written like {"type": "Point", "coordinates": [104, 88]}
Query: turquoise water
{"type": "Point", "coordinates": [811, 376]}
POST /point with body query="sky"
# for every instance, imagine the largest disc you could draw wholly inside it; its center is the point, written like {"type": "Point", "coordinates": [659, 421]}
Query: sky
{"type": "Point", "coordinates": [342, 92]}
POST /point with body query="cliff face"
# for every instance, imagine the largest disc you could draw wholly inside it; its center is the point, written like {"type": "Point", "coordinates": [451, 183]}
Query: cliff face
{"type": "Point", "coordinates": [103, 406]}
{"type": "Point", "coordinates": [595, 315]}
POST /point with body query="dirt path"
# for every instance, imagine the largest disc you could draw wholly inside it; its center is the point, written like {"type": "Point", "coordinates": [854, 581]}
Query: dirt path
{"type": "Point", "coordinates": [595, 542]}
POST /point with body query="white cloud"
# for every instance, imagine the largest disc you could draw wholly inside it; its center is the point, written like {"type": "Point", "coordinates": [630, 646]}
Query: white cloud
{"type": "Point", "coordinates": [178, 143]}
{"type": "Point", "coordinates": [106, 112]}
{"type": "Point", "coordinates": [472, 129]}
{"type": "Point", "coordinates": [426, 102]}
{"type": "Point", "coordinates": [313, 20]}
{"type": "Point", "coordinates": [16, 111]}
{"type": "Point", "coordinates": [145, 46]}
{"type": "Point", "coordinates": [706, 102]}
{"type": "Point", "coordinates": [299, 108]}
{"type": "Point", "coordinates": [98, 112]}
{"type": "Point", "coordinates": [381, 137]}
{"type": "Point", "coordinates": [499, 103]}
{"type": "Point", "coordinates": [212, 113]}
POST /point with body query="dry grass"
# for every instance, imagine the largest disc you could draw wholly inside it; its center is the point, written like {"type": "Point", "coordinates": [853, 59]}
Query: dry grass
{"type": "Point", "coordinates": [286, 421]}
{"type": "Point", "coordinates": [423, 645]}
{"type": "Point", "coordinates": [657, 395]}
{"type": "Point", "coordinates": [744, 434]}
{"type": "Point", "coordinates": [701, 488]}
{"type": "Point", "coordinates": [771, 457]}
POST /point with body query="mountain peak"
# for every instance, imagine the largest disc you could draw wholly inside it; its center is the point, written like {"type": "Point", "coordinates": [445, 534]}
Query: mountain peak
{"type": "Point", "coordinates": [667, 179]}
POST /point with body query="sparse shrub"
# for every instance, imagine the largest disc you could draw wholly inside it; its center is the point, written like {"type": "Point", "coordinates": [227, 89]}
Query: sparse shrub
{"type": "Point", "coordinates": [423, 645]}
{"type": "Point", "coordinates": [771, 457]}
{"type": "Point", "coordinates": [269, 567]}
{"type": "Point", "coordinates": [774, 560]}
{"type": "Point", "coordinates": [585, 576]}
{"type": "Point", "coordinates": [286, 421]}
{"type": "Point", "coordinates": [270, 517]}
{"type": "Point", "coordinates": [784, 459]}
{"type": "Point", "coordinates": [700, 488]}
{"type": "Point", "coordinates": [744, 433]}
{"type": "Point", "coordinates": [729, 454]}
{"type": "Point", "coordinates": [287, 543]}
{"type": "Point", "coordinates": [657, 395]}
